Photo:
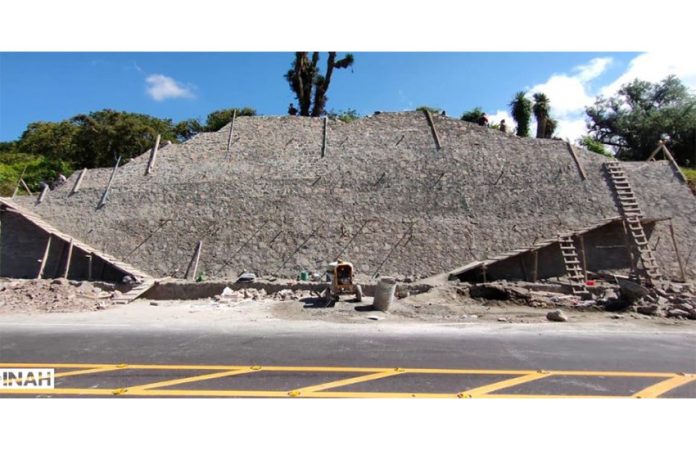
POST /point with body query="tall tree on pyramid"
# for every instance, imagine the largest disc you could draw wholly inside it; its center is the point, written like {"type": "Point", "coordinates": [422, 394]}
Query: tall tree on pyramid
{"type": "Point", "coordinates": [310, 86]}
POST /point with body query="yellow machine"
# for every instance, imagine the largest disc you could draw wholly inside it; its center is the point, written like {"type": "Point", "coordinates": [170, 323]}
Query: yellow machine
{"type": "Point", "coordinates": [340, 274]}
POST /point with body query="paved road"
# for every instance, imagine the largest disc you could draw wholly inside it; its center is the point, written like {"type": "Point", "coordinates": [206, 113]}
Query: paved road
{"type": "Point", "coordinates": [279, 361]}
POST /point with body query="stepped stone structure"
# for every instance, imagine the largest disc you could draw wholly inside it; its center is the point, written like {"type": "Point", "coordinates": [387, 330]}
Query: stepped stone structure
{"type": "Point", "coordinates": [394, 193]}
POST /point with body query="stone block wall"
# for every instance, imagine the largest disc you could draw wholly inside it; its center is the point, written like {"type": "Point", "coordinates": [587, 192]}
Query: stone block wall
{"type": "Point", "coordinates": [382, 197]}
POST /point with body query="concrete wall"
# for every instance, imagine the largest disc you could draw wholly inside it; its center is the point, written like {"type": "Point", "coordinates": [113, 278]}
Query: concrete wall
{"type": "Point", "coordinates": [22, 246]}
{"type": "Point", "coordinates": [383, 197]}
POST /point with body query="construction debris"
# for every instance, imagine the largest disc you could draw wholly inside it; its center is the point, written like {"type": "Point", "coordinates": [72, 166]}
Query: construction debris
{"type": "Point", "coordinates": [57, 295]}
{"type": "Point", "coordinates": [556, 316]}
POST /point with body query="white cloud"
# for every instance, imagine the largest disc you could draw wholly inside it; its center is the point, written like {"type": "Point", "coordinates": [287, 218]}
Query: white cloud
{"type": "Point", "coordinates": [161, 87]}
{"type": "Point", "coordinates": [593, 69]}
{"type": "Point", "coordinates": [569, 94]}
{"type": "Point", "coordinates": [655, 67]}
{"type": "Point", "coordinates": [501, 115]}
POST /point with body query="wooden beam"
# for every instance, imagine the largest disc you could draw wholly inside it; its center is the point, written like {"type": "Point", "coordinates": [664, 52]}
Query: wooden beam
{"type": "Point", "coordinates": [669, 156]}
{"type": "Point", "coordinates": [18, 181]}
{"type": "Point", "coordinates": [577, 161]}
{"type": "Point", "coordinates": [194, 261]}
{"type": "Point", "coordinates": [105, 195]}
{"type": "Point", "coordinates": [26, 187]}
{"type": "Point", "coordinates": [90, 258]}
{"type": "Point", "coordinates": [429, 117]}
{"type": "Point", "coordinates": [68, 259]}
{"type": "Point", "coordinates": [153, 156]}
{"type": "Point", "coordinates": [78, 182]}
{"type": "Point", "coordinates": [654, 153]}
{"type": "Point", "coordinates": [676, 250]}
{"type": "Point", "coordinates": [45, 257]}
{"type": "Point", "coordinates": [229, 136]}
{"type": "Point", "coordinates": [536, 265]}
{"type": "Point", "coordinates": [584, 255]}
{"type": "Point", "coordinates": [43, 193]}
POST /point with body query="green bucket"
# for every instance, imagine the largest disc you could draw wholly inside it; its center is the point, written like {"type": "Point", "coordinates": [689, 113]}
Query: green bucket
{"type": "Point", "coordinates": [304, 275]}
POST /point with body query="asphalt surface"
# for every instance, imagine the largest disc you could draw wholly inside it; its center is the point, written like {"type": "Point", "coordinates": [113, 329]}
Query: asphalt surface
{"type": "Point", "coordinates": [492, 348]}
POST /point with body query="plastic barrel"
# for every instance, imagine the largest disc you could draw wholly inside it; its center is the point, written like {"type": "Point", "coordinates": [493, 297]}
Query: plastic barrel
{"type": "Point", "coordinates": [384, 293]}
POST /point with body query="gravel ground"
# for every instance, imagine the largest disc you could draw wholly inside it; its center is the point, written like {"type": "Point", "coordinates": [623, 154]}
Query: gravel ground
{"type": "Point", "coordinates": [57, 295]}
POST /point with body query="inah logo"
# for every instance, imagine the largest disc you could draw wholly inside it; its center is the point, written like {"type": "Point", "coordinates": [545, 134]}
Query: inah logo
{"type": "Point", "coordinates": [26, 378]}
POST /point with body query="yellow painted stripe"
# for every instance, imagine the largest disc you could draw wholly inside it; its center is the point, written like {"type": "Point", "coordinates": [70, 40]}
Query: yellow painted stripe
{"type": "Point", "coordinates": [209, 376]}
{"type": "Point", "coordinates": [88, 371]}
{"type": "Point", "coordinates": [347, 381]}
{"type": "Point", "coordinates": [276, 394]}
{"type": "Point", "coordinates": [664, 386]}
{"type": "Point", "coordinates": [482, 390]}
{"type": "Point", "coordinates": [368, 370]}
{"type": "Point", "coordinates": [512, 396]}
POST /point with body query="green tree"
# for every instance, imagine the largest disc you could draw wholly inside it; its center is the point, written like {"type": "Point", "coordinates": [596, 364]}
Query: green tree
{"type": "Point", "coordinates": [220, 118]}
{"type": "Point", "coordinates": [521, 110]}
{"type": "Point", "coordinates": [473, 115]}
{"type": "Point", "coordinates": [104, 135]}
{"type": "Point", "coordinates": [54, 140]}
{"type": "Point", "coordinates": [433, 110]}
{"type": "Point", "coordinates": [593, 145]}
{"type": "Point", "coordinates": [541, 109]}
{"type": "Point", "coordinates": [186, 129]}
{"type": "Point", "coordinates": [347, 116]}
{"type": "Point", "coordinates": [308, 85]}
{"type": "Point", "coordinates": [641, 113]}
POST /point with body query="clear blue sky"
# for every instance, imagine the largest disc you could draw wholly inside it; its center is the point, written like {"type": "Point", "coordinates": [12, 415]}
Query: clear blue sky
{"type": "Point", "coordinates": [56, 86]}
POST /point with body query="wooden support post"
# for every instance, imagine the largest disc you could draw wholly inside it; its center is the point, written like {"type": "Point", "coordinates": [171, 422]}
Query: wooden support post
{"type": "Point", "coordinates": [45, 257]}
{"type": "Point", "coordinates": [483, 272]}
{"type": "Point", "coordinates": [43, 193]}
{"type": "Point", "coordinates": [436, 138]}
{"type": "Point", "coordinates": [323, 142]}
{"type": "Point", "coordinates": [78, 182]}
{"type": "Point", "coordinates": [105, 195]}
{"type": "Point", "coordinates": [584, 256]}
{"type": "Point", "coordinates": [577, 161]}
{"type": "Point", "coordinates": [669, 156]}
{"type": "Point", "coordinates": [628, 247]}
{"type": "Point", "coordinates": [194, 262]}
{"type": "Point", "coordinates": [536, 265]}
{"type": "Point", "coordinates": [26, 187]}
{"type": "Point", "coordinates": [153, 156]}
{"type": "Point", "coordinates": [654, 153]}
{"type": "Point", "coordinates": [676, 250]}
{"type": "Point", "coordinates": [18, 182]}
{"type": "Point", "coordinates": [66, 271]}
{"type": "Point", "coordinates": [90, 258]}
{"type": "Point", "coordinates": [229, 136]}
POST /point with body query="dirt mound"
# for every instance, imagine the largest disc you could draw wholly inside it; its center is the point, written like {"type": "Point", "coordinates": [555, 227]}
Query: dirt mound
{"type": "Point", "coordinates": [57, 295]}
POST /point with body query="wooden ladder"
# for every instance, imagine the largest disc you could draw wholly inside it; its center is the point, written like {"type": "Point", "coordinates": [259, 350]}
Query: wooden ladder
{"type": "Point", "coordinates": [631, 213]}
{"type": "Point", "coordinates": [572, 264]}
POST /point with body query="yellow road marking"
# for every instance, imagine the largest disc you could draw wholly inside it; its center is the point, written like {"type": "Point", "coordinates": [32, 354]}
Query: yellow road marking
{"type": "Point", "coordinates": [482, 390]}
{"type": "Point", "coordinates": [346, 369]}
{"type": "Point", "coordinates": [348, 381]}
{"type": "Point", "coordinates": [87, 371]}
{"type": "Point", "coordinates": [664, 386]}
{"type": "Point", "coordinates": [209, 376]}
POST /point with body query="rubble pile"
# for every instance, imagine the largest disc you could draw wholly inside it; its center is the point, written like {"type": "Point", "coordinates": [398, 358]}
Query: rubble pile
{"type": "Point", "coordinates": [251, 294]}
{"type": "Point", "coordinates": [672, 300]}
{"type": "Point", "coordinates": [56, 295]}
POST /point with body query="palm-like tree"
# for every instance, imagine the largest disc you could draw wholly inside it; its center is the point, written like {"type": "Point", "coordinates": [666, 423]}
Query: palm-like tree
{"type": "Point", "coordinates": [541, 113]}
{"type": "Point", "coordinates": [521, 110]}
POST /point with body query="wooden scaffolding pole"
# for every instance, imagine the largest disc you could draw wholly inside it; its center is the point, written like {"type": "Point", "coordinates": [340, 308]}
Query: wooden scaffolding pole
{"type": "Point", "coordinates": [153, 156]}
{"type": "Point", "coordinates": [68, 259]}
{"type": "Point", "coordinates": [78, 182]}
{"type": "Point", "coordinates": [45, 257]}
